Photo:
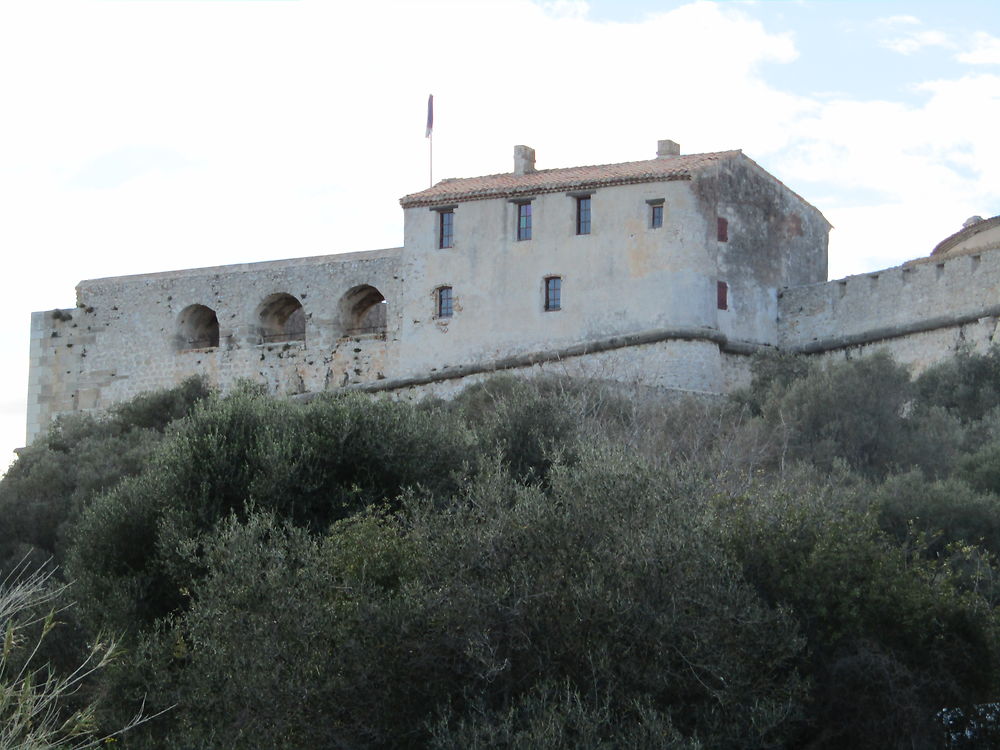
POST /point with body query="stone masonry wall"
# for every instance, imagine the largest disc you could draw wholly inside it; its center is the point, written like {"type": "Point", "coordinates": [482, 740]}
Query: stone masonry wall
{"type": "Point", "coordinates": [921, 312]}
{"type": "Point", "coordinates": [672, 365]}
{"type": "Point", "coordinates": [122, 338]}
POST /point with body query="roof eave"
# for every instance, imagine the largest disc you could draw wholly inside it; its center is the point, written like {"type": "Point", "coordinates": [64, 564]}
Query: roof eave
{"type": "Point", "coordinates": [416, 200]}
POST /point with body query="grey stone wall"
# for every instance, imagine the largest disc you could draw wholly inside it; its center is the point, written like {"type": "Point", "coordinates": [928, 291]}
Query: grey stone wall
{"type": "Point", "coordinates": [124, 337]}
{"type": "Point", "coordinates": [920, 312]}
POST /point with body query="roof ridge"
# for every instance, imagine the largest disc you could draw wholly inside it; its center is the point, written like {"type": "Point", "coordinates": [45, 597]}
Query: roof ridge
{"type": "Point", "coordinates": [553, 178]}
{"type": "Point", "coordinates": [655, 159]}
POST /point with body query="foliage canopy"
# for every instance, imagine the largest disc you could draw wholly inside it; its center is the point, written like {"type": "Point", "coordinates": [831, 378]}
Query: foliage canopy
{"type": "Point", "coordinates": [545, 563]}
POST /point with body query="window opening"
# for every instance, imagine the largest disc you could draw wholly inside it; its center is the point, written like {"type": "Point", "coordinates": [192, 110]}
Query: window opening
{"type": "Point", "coordinates": [722, 295]}
{"type": "Point", "coordinates": [197, 328]}
{"type": "Point", "coordinates": [280, 317]}
{"type": "Point", "coordinates": [523, 221]}
{"type": "Point", "coordinates": [446, 233]}
{"type": "Point", "coordinates": [445, 307]}
{"type": "Point", "coordinates": [583, 215]}
{"type": "Point", "coordinates": [553, 293]}
{"type": "Point", "coordinates": [363, 311]}
{"type": "Point", "coordinates": [722, 229]}
{"type": "Point", "coordinates": [656, 216]}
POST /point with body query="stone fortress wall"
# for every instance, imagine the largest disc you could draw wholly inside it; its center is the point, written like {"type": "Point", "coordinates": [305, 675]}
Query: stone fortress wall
{"type": "Point", "coordinates": [920, 312]}
{"type": "Point", "coordinates": [132, 334]}
{"type": "Point", "coordinates": [639, 301]}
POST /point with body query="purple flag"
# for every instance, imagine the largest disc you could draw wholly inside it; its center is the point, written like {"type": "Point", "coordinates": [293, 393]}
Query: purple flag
{"type": "Point", "coordinates": [430, 116]}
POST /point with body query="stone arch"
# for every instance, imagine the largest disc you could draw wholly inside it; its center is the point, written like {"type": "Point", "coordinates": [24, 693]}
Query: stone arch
{"type": "Point", "coordinates": [363, 311]}
{"type": "Point", "coordinates": [197, 328]}
{"type": "Point", "coordinates": [280, 317]}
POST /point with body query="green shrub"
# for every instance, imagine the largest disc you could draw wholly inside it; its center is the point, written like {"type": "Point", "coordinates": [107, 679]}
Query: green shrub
{"type": "Point", "coordinates": [967, 385]}
{"type": "Point", "coordinates": [946, 512]}
{"type": "Point", "coordinates": [310, 464]}
{"type": "Point", "coordinates": [852, 411]}
{"type": "Point", "coordinates": [893, 634]}
{"type": "Point", "coordinates": [81, 456]}
{"type": "Point", "coordinates": [531, 423]}
{"type": "Point", "coordinates": [607, 585]}
{"type": "Point", "coordinates": [41, 708]}
{"type": "Point", "coordinates": [772, 373]}
{"type": "Point", "coordinates": [553, 716]}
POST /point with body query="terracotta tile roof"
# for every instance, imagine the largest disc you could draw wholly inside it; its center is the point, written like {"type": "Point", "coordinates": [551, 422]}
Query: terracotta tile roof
{"type": "Point", "coordinates": [510, 185]}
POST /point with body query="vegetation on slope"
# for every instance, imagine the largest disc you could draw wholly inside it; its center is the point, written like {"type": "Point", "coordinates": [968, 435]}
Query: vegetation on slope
{"type": "Point", "coordinates": [543, 563]}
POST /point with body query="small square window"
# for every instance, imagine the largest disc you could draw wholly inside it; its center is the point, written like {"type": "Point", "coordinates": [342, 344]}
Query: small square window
{"type": "Point", "coordinates": [445, 307]}
{"type": "Point", "coordinates": [583, 215]}
{"type": "Point", "coordinates": [722, 295]}
{"type": "Point", "coordinates": [523, 221]}
{"type": "Point", "coordinates": [446, 229]}
{"type": "Point", "coordinates": [722, 229]}
{"type": "Point", "coordinates": [553, 293]}
{"type": "Point", "coordinates": [656, 216]}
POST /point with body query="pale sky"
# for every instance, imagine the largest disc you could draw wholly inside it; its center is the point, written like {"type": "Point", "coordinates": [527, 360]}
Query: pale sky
{"type": "Point", "coordinates": [148, 135]}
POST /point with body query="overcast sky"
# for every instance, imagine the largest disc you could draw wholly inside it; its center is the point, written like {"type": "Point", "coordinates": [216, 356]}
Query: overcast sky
{"type": "Point", "coordinates": [145, 135]}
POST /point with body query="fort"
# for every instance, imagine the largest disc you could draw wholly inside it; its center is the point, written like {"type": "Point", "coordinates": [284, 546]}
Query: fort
{"type": "Point", "coordinates": [666, 273]}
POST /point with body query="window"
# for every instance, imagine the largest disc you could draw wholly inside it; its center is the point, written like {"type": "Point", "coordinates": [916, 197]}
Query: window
{"type": "Point", "coordinates": [722, 229]}
{"type": "Point", "coordinates": [553, 293]}
{"type": "Point", "coordinates": [363, 312]}
{"type": "Point", "coordinates": [722, 295]}
{"type": "Point", "coordinates": [655, 212]}
{"type": "Point", "coordinates": [523, 221]}
{"type": "Point", "coordinates": [445, 308]}
{"type": "Point", "coordinates": [446, 229]}
{"type": "Point", "coordinates": [198, 328]}
{"type": "Point", "coordinates": [656, 216]}
{"type": "Point", "coordinates": [583, 214]}
{"type": "Point", "coordinates": [280, 317]}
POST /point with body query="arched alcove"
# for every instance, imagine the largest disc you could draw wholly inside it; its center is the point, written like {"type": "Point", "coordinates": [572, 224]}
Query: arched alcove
{"type": "Point", "coordinates": [280, 317]}
{"type": "Point", "coordinates": [363, 311]}
{"type": "Point", "coordinates": [197, 328]}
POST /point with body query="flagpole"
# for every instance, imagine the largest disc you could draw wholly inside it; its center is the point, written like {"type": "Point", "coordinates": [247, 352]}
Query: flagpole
{"type": "Point", "coordinates": [430, 134]}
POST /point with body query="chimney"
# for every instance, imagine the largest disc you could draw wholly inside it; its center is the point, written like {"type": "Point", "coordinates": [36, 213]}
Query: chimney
{"type": "Point", "coordinates": [524, 160]}
{"type": "Point", "coordinates": [666, 149]}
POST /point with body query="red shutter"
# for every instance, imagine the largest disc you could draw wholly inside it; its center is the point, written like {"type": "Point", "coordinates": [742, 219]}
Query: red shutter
{"type": "Point", "coordinates": [722, 295]}
{"type": "Point", "coordinates": [723, 229]}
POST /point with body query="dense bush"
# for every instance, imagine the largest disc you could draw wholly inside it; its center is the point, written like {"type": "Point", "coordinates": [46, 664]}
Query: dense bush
{"type": "Point", "coordinates": [893, 634]}
{"type": "Point", "coordinates": [410, 623]}
{"type": "Point", "coordinates": [546, 563]}
{"type": "Point", "coordinates": [946, 512]}
{"type": "Point", "coordinates": [967, 385]}
{"type": "Point", "coordinates": [860, 412]}
{"type": "Point", "coordinates": [41, 709]}
{"type": "Point", "coordinates": [309, 463]}
{"type": "Point", "coordinates": [43, 493]}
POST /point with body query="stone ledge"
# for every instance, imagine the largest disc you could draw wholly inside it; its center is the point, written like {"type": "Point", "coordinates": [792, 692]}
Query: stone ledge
{"type": "Point", "coordinates": [707, 335]}
{"type": "Point", "coordinates": [892, 332]}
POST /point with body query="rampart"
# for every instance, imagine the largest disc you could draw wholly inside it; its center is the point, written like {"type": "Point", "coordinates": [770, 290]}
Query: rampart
{"type": "Point", "coordinates": [921, 311]}
{"type": "Point", "coordinates": [298, 325]}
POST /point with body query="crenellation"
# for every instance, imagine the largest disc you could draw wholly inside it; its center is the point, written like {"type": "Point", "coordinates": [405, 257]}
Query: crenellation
{"type": "Point", "coordinates": [911, 301]}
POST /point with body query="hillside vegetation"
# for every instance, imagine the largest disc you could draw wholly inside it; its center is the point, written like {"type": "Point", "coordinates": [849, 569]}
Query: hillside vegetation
{"type": "Point", "coordinates": [536, 564]}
